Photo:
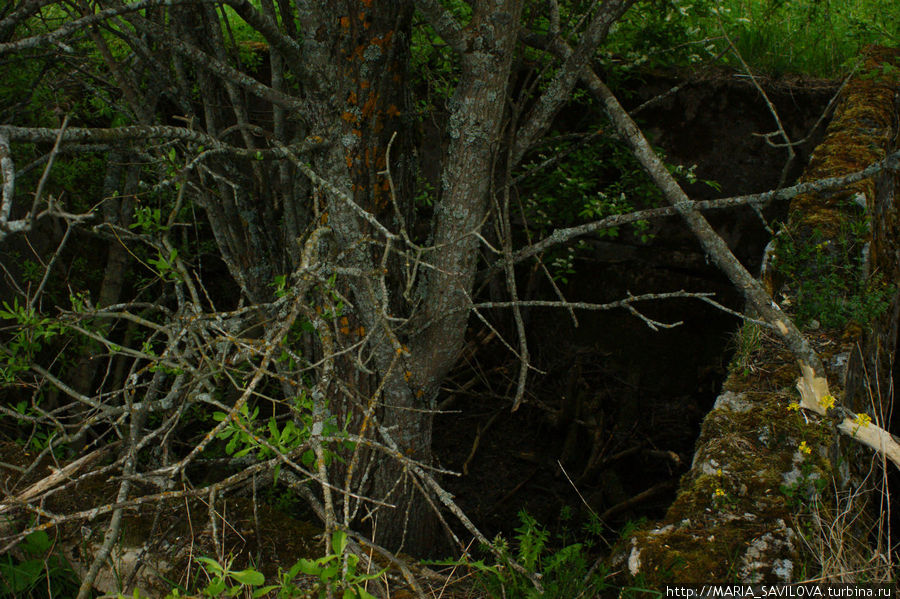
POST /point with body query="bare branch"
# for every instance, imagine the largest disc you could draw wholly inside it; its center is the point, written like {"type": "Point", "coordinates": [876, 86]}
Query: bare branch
{"type": "Point", "coordinates": [560, 87]}
{"type": "Point", "coordinates": [444, 23]}
{"type": "Point", "coordinates": [561, 236]}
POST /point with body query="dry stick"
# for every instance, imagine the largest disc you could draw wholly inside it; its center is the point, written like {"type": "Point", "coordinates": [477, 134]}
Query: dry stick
{"type": "Point", "coordinates": [46, 174]}
{"type": "Point", "coordinates": [512, 287]}
{"type": "Point", "coordinates": [562, 81]}
{"type": "Point", "coordinates": [319, 396]}
{"type": "Point", "coordinates": [673, 90]}
{"type": "Point", "coordinates": [8, 173]}
{"type": "Point", "coordinates": [477, 441]}
{"type": "Point", "coordinates": [627, 303]}
{"type": "Point", "coordinates": [828, 109]}
{"type": "Point", "coordinates": [111, 536]}
{"type": "Point", "coordinates": [787, 140]}
{"type": "Point", "coordinates": [816, 398]}
{"type": "Point", "coordinates": [51, 481]}
{"type": "Point", "coordinates": [560, 236]}
{"type": "Point", "coordinates": [715, 247]}
{"type": "Point", "coordinates": [49, 269]}
{"type": "Point", "coordinates": [637, 499]}
{"type": "Point", "coordinates": [308, 260]}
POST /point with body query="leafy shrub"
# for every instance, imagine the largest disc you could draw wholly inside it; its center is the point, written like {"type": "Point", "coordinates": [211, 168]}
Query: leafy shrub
{"type": "Point", "coordinates": [827, 274]}
{"type": "Point", "coordinates": [40, 572]}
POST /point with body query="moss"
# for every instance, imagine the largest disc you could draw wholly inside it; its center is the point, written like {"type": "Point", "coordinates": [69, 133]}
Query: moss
{"type": "Point", "coordinates": [822, 255]}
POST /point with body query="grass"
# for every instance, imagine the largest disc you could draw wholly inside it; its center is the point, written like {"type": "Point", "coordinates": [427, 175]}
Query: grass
{"type": "Point", "coordinates": [821, 38]}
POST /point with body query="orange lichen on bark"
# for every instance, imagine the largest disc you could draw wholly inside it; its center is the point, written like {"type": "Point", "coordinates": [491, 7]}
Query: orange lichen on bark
{"type": "Point", "coordinates": [369, 107]}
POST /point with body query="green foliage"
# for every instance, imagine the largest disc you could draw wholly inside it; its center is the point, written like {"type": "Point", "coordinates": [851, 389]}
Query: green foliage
{"type": "Point", "coordinates": [338, 571]}
{"type": "Point", "coordinates": [245, 434]}
{"type": "Point", "coordinates": [433, 64]}
{"type": "Point", "coordinates": [575, 181]}
{"type": "Point", "coordinates": [596, 179]}
{"type": "Point", "coordinates": [30, 331]}
{"type": "Point", "coordinates": [819, 37]}
{"type": "Point", "coordinates": [280, 285]}
{"type": "Point", "coordinates": [32, 272]}
{"type": "Point", "coordinates": [148, 220]}
{"type": "Point", "coordinates": [806, 489]}
{"type": "Point", "coordinates": [565, 568]}
{"type": "Point", "coordinates": [337, 574]}
{"type": "Point", "coordinates": [165, 266]}
{"type": "Point", "coordinates": [40, 573]}
{"type": "Point", "coordinates": [828, 273]}
{"type": "Point", "coordinates": [884, 72]}
{"type": "Point", "coordinates": [225, 582]}
{"type": "Point", "coordinates": [660, 33]}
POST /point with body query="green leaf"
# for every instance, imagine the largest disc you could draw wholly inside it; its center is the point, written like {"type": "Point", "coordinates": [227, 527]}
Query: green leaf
{"type": "Point", "coordinates": [294, 571]}
{"type": "Point", "coordinates": [211, 565]}
{"type": "Point", "coordinates": [37, 542]}
{"type": "Point", "coordinates": [249, 577]}
{"type": "Point", "coordinates": [215, 588]}
{"type": "Point", "coordinates": [364, 594]}
{"type": "Point", "coordinates": [339, 541]}
{"type": "Point", "coordinates": [308, 567]}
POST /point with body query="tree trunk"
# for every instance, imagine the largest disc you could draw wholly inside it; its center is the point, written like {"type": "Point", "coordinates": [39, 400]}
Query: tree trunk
{"type": "Point", "coordinates": [365, 66]}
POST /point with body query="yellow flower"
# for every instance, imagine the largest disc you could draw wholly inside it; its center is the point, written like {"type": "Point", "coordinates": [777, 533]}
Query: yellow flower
{"type": "Point", "coordinates": [793, 407]}
{"type": "Point", "coordinates": [804, 448]}
{"type": "Point", "coordinates": [863, 420]}
{"type": "Point", "coordinates": [720, 493]}
{"type": "Point", "coordinates": [719, 472]}
{"type": "Point", "coordinates": [827, 401]}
